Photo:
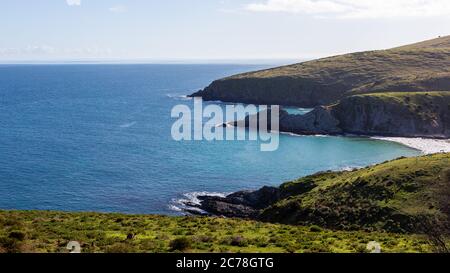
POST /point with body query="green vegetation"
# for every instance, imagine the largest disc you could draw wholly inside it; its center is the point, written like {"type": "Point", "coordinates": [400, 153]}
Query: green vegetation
{"type": "Point", "coordinates": [395, 196]}
{"type": "Point", "coordinates": [42, 231]}
{"type": "Point", "coordinates": [432, 101]}
{"type": "Point", "coordinates": [409, 97]}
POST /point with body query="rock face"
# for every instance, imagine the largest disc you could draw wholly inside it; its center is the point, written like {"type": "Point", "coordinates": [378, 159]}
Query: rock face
{"type": "Point", "coordinates": [302, 92]}
{"type": "Point", "coordinates": [409, 114]}
{"type": "Point", "coordinates": [419, 67]}
{"type": "Point", "coordinates": [243, 204]}
{"type": "Point", "coordinates": [318, 121]}
{"type": "Point", "coordinates": [413, 114]}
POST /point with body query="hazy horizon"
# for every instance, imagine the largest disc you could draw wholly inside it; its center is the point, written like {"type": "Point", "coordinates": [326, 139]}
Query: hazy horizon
{"type": "Point", "coordinates": [213, 31]}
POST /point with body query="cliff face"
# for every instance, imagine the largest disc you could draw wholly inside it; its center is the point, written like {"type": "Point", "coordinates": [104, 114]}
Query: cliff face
{"type": "Point", "coordinates": [318, 121]}
{"type": "Point", "coordinates": [419, 67]}
{"type": "Point", "coordinates": [406, 114]}
{"type": "Point", "coordinates": [276, 91]}
{"type": "Point", "coordinates": [390, 114]}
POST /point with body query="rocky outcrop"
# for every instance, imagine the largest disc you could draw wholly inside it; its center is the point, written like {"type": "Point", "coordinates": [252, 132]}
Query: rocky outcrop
{"type": "Point", "coordinates": [318, 121]}
{"type": "Point", "coordinates": [417, 114]}
{"type": "Point", "coordinates": [248, 204]}
{"type": "Point", "coordinates": [243, 204]}
{"type": "Point", "coordinates": [409, 115]}
{"type": "Point", "coordinates": [281, 90]}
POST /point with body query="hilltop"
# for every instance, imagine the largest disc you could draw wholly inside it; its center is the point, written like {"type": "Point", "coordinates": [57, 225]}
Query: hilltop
{"type": "Point", "coordinates": [418, 67]}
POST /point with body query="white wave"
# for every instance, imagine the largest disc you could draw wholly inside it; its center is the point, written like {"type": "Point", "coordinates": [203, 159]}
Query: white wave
{"type": "Point", "coordinates": [349, 168]}
{"type": "Point", "coordinates": [300, 135]}
{"type": "Point", "coordinates": [190, 200]}
{"type": "Point", "coordinates": [178, 97]}
{"type": "Point", "coordinates": [175, 208]}
{"type": "Point", "coordinates": [425, 145]}
{"type": "Point", "coordinates": [128, 125]}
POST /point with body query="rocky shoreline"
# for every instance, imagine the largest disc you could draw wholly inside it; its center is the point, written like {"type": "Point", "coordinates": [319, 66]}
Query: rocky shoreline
{"type": "Point", "coordinates": [241, 204]}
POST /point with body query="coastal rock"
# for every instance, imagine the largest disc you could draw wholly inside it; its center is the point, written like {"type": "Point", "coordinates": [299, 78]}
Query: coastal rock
{"type": "Point", "coordinates": [413, 114]}
{"type": "Point", "coordinates": [396, 114]}
{"type": "Point", "coordinates": [222, 207]}
{"type": "Point", "coordinates": [243, 204]}
{"type": "Point", "coordinates": [318, 121]}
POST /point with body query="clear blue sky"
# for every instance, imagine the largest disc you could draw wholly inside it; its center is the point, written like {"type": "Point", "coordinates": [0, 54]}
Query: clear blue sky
{"type": "Point", "coordinates": [212, 29]}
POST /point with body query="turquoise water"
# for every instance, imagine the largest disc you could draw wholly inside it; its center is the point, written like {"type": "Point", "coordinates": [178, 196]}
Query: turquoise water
{"type": "Point", "coordinates": [98, 138]}
{"type": "Point", "coordinates": [296, 110]}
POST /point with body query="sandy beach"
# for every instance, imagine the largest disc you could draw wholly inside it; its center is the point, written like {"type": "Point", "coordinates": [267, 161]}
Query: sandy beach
{"type": "Point", "coordinates": [426, 145]}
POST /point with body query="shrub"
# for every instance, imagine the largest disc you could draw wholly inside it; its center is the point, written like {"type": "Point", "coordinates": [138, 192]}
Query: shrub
{"type": "Point", "coordinates": [9, 245]}
{"type": "Point", "coordinates": [203, 239]}
{"type": "Point", "coordinates": [315, 229]}
{"type": "Point", "coordinates": [120, 248]}
{"type": "Point", "coordinates": [17, 235]}
{"type": "Point", "coordinates": [238, 241]}
{"type": "Point", "coordinates": [180, 244]}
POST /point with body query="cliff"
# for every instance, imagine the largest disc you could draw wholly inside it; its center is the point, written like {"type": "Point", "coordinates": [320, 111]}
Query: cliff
{"type": "Point", "coordinates": [395, 114]}
{"type": "Point", "coordinates": [418, 67]}
{"type": "Point", "coordinates": [406, 114]}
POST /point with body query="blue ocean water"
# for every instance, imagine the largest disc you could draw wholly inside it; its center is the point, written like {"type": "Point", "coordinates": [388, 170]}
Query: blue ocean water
{"type": "Point", "coordinates": [98, 138]}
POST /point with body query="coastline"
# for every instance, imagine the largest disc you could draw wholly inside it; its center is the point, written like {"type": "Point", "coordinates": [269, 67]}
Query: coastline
{"type": "Point", "coordinates": [425, 145]}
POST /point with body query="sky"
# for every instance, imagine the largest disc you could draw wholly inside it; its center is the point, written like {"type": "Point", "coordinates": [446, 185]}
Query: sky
{"type": "Point", "coordinates": [212, 30]}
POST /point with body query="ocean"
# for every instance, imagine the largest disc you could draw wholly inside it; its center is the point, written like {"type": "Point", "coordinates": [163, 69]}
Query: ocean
{"type": "Point", "coordinates": [93, 137]}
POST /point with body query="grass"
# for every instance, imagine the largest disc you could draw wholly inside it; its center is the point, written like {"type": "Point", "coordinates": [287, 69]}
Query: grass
{"type": "Point", "coordinates": [43, 232]}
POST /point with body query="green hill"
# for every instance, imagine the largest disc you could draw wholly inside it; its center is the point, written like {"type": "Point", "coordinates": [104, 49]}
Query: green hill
{"type": "Point", "coordinates": [418, 67]}
{"type": "Point", "coordinates": [390, 196]}
{"type": "Point", "coordinates": [396, 196]}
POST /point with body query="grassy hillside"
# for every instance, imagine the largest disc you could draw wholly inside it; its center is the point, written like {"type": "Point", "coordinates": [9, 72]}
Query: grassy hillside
{"type": "Point", "coordinates": [40, 231]}
{"type": "Point", "coordinates": [418, 67]}
{"type": "Point", "coordinates": [390, 196]}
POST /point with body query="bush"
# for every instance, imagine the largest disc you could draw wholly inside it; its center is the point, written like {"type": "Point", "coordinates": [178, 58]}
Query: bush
{"type": "Point", "coordinates": [17, 235]}
{"type": "Point", "coordinates": [180, 244]}
{"type": "Point", "coordinates": [9, 245]}
{"type": "Point", "coordinates": [120, 248]}
{"type": "Point", "coordinates": [238, 241]}
{"type": "Point", "coordinates": [315, 229]}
